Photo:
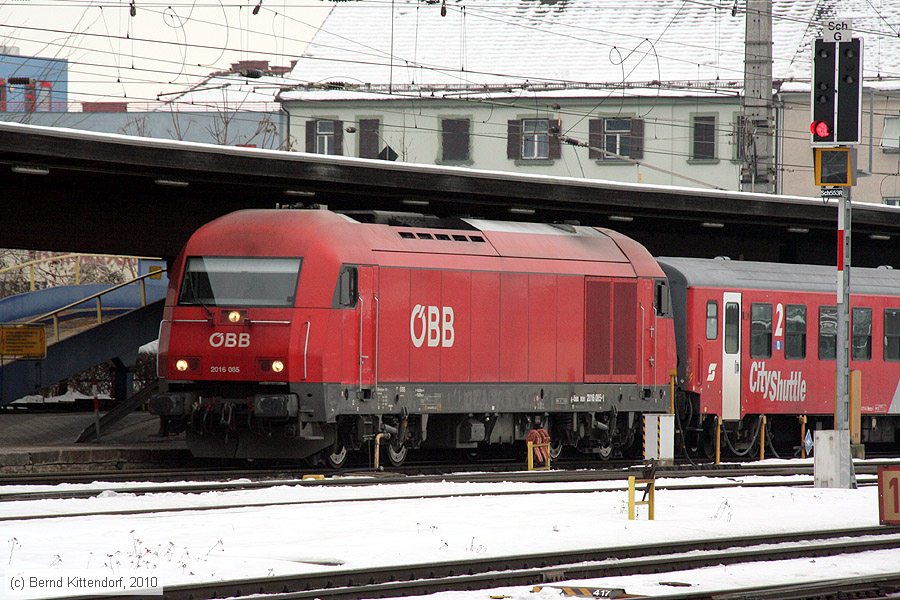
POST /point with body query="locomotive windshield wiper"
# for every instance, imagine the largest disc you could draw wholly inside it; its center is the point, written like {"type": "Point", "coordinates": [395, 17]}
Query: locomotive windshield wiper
{"type": "Point", "coordinates": [198, 299]}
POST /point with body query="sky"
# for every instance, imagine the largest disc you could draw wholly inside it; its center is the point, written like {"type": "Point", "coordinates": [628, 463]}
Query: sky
{"type": "Point", "coordinates": [164, 47]}
{"type": "Point", "coordinates": [302, 535]}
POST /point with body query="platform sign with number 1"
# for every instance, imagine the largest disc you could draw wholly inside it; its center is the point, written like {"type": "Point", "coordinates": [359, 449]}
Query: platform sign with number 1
{"type": "Point", "coordinates": [889, 495]}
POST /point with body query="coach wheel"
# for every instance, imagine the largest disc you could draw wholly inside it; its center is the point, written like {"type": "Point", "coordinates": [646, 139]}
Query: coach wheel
{"type": "Point", "coordinates": [396, 456]}
{"type": "Point", "coordinates": [337, 456]}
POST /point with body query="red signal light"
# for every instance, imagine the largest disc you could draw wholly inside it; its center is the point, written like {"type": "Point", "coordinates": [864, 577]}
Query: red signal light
{"type": "Point", "coordinates": [820, 129]}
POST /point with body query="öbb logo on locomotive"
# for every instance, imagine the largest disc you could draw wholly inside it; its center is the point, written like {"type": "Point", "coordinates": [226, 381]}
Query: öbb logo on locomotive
{"type": "Point", "coordinates": [229, 340]}
{"type": "Point", "coordinates": [434, 323]}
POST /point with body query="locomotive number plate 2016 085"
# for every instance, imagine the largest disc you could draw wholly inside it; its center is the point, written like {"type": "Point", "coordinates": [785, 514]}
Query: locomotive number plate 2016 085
{"type": "Point", "coordinates": [224, 369]}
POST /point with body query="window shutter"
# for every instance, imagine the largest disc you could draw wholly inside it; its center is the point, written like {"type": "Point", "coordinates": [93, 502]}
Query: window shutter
{"type": "Point", "coordinates": [310, 136]}
{"type": "Point", "coordinates": [637, 138]}
{"type": "Point", "coordinates": [339, 138]}
{"type": "Point", "coordinates": [555, 145]}
{"type": "Point", "coordinates": [368, 138]}
{"type": "Point", "coordinates": [595, 138]}
{"type": "Point", "coordinates": [514, 139]}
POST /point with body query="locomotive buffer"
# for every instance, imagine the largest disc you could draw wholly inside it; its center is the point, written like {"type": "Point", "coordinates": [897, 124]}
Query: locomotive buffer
{"type": "Point", "coordinates": [835, 101]}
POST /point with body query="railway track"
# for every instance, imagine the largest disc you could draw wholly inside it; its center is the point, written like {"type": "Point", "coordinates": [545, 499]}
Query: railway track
{"type": "Point", "coordinates": [269, 480]}
{"type": "Point", "coordinates": [555, 567]}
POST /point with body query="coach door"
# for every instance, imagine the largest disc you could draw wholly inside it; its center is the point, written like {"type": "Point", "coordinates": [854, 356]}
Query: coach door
{"type": "Point", "coordinates": [731, 357]}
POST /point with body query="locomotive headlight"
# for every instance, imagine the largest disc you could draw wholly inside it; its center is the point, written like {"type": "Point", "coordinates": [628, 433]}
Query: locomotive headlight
{"type": "Point", "coordinates": [234, 316]}
{"type": "Point", "coordinates": [181, 365]}
{"type": "Point", "coordinates": [277, 366]}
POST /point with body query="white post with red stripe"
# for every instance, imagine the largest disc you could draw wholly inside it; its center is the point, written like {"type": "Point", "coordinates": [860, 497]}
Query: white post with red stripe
{"type": "Point", "coordinates": [842, 355]}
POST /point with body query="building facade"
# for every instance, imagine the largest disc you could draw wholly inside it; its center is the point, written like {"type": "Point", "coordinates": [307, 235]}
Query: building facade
{"type": "Point", "coordinates": [31, 84]}
{"type": "Point", "coordinates": [671, 139]}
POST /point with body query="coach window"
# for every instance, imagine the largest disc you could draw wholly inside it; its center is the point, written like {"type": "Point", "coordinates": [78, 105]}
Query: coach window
{"type": "Point", "coordinates": [862, 334]}
{"type": "Point", "coordinates": [732, 328]}
{"type": "Point", "coordinates": [346, 291]}
{"type": "Point", "coordinates": [760, 330]}
{"type": "Point", "coordinates": [892, 334]}
{"type": "Point", "coordinates": [712, 320]}
{"type": "Point", "coordinates": [827, 332]}
{"type": "Point", "coordinates": [795, 331]}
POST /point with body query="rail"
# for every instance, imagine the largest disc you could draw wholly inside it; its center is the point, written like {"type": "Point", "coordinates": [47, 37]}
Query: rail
{"type": "Point", "coordinates": [31, 264]}
{"type": "Point", "coordinates": [54, 315]}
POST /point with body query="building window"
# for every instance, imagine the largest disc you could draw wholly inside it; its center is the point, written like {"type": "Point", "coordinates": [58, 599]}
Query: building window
{"type": "Point", "coordinates": [455, 139]}
{"type": "Point", "coordinates": [325, 136]}
{"type": "Point", "coordinates": [533, 139]}
{"type": "Point", "coordinates": [892, 334]}
{"type": "Point", "coordinates": [712, 320]}
{"type": "Point", "coordinates": [610, 136]}
{"type": "Point", "coordinates": [368, 138]}
{"type": "Point", "coordinates": [891, 200]}
{"type": "Point", "coordinates": [795, 331]}
{"type": "Point", "coordinates": [2, 95]}
{"type": "Point", "coordinates": [30, 97]}
{"type": "Point", "coordinates": [862, 334]}
{"type": "Point", "coordinates": [760, 330]}
{"type": "Point", "coordinates": [827, 332]}
{"type": "Point", "coordinates": [890, 137]}
{"type": "Point", "coordinates": [703, 146]}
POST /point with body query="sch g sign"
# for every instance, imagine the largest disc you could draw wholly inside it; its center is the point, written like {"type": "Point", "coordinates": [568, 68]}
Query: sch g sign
{"type": "Point", "coordinates": [432, 324]}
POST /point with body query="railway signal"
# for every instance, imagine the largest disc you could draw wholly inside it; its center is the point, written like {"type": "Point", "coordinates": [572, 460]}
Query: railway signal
{"type": "Point", "coordinates": [835, 101]}
{"type": "Point", "coordinates": [836, 93]}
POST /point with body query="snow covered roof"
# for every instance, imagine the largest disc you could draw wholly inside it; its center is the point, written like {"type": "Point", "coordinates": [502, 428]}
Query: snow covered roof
{"type": "Point", "coordinates": [482, 42]}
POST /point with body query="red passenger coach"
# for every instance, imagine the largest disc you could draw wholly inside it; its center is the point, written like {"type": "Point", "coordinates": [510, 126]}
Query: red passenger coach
{"type": "Point", "coordinates": [760, 339]}
{"type": "Point", "coordinates": [298, 333]}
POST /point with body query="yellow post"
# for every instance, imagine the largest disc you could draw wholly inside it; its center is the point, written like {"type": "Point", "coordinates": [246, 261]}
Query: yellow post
{"type": "Point", "coordinates": [855, 397]}
{"type": "Point", "coordinates": [530, 459]}
{"type": "Point", "coordinates": [650, 494]}
{"type": "Point", "coordinates": [378, 451]}
{"type": "Point", "coordinates": [802, 436]}
{"type": "Point", "coordinates": [99, 310]}
{"type": "Point", "coordinates": [718, 440]}
{"type": "Point", "coordinates": [631, 480]}
{"type": "Point", "coordinates": [673, 374]}
{"type": "Point", "coordinates": [77, 269]}
{"type": "Point", "coordinates": [762, 438]}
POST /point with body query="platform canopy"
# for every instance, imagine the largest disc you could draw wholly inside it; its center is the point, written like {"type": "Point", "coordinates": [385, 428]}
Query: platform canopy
{"type": "Point", "coordinates": [69, 190]}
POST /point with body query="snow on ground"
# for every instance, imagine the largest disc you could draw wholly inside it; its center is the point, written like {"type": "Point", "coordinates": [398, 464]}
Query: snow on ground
{"type": "Point", "coordinates": [259, 541]}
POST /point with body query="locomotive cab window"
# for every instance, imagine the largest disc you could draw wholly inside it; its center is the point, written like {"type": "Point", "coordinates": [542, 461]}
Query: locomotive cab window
{"type": "Point", "coordinates": [661, 298]}
{"type": "Point", "coordinates": [239, 281]}
{"type": "Point", "coordinates": [827, 332]}
{"type": "Point", "coordinates": [892, 334]}
{"type": "Point", "coordinates": [346, 293]}
{"type": "Point", "coordinates": [795, 331]}
{"type": "Point", "coordinates": [760, 330]}
{"type": "Point", "coordinates": [862, 334]}
{"type": "Point", "coordinates": [712, 320]}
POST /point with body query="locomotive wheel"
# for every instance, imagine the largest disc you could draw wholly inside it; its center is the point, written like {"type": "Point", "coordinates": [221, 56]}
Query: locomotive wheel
{"type": "Point", "coordinates": [337, 456]}
{"type": "Point", "coordinates": [556, 449]}
{"type": "Point", "coordinates": [604, 451]}
{"type": "Point", "coordinates": [396, 456]}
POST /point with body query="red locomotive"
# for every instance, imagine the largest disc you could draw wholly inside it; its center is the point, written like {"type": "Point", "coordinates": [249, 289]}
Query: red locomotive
{"type": "Point", "coordinates": [300, 333]}
{"type": "Point", "coordinates": [760, 339]}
